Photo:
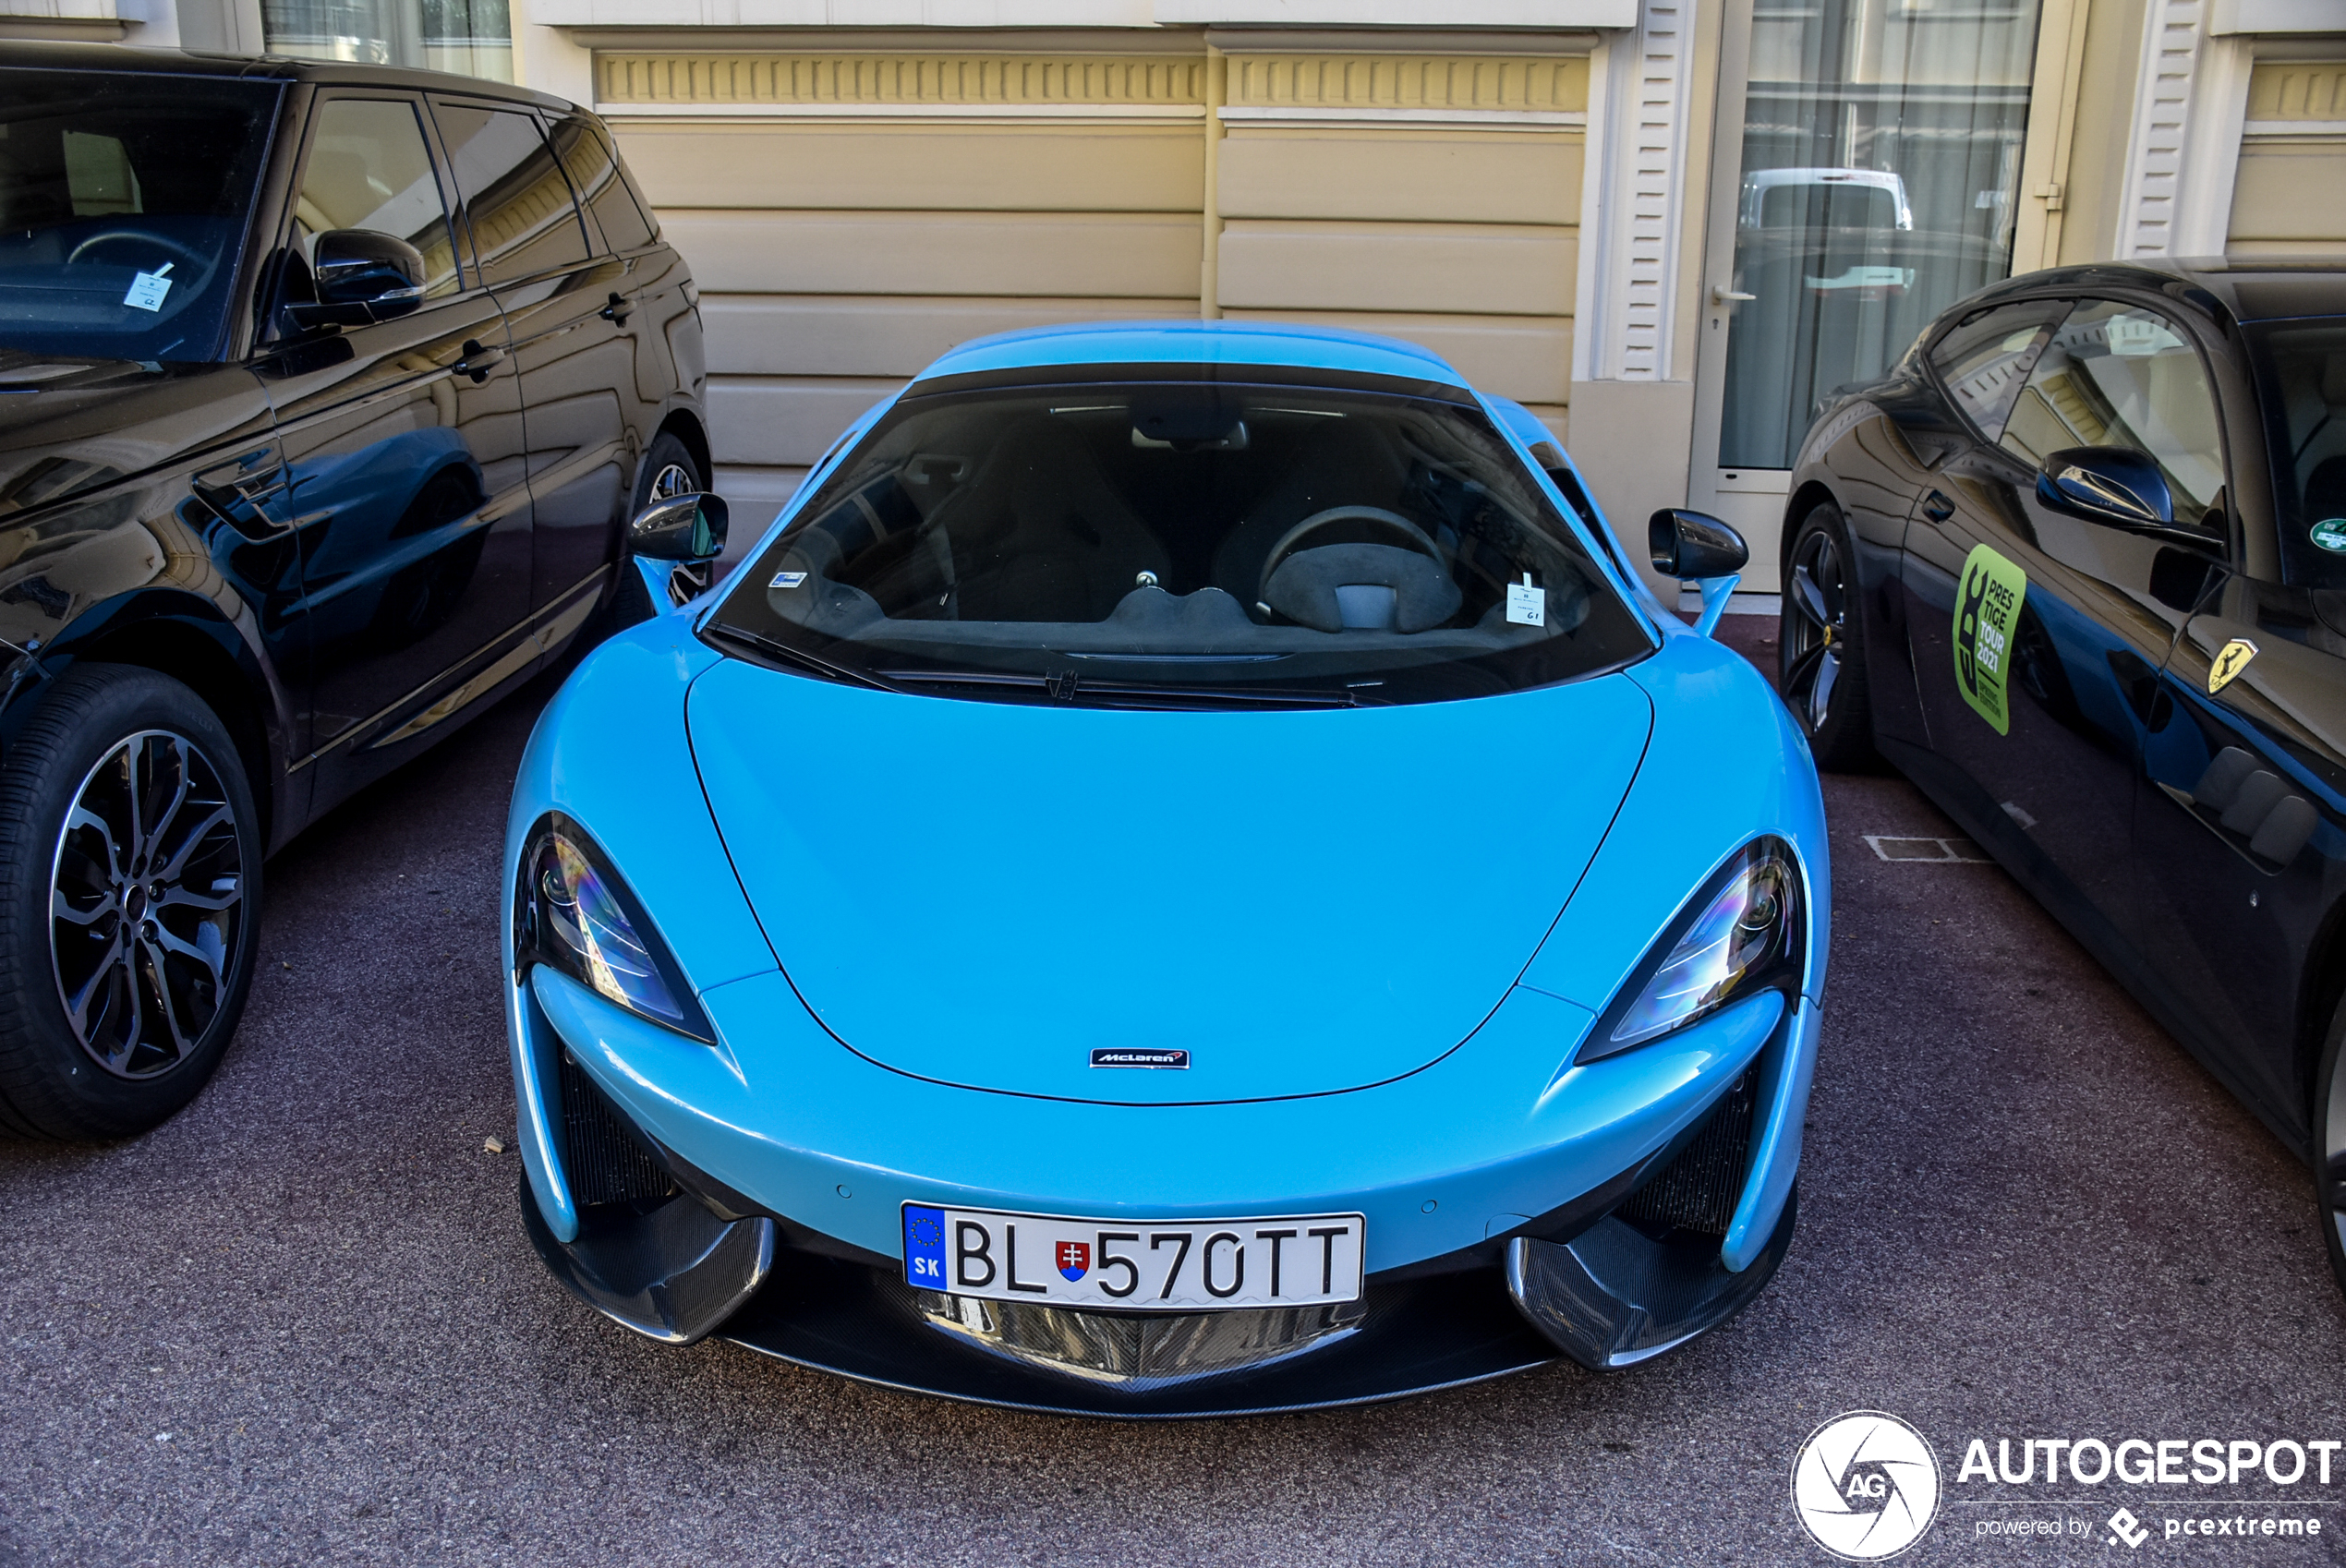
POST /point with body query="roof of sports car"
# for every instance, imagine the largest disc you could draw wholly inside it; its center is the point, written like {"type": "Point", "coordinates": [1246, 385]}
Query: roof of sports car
{"type": "Point", "coordinates": [1195, 343]}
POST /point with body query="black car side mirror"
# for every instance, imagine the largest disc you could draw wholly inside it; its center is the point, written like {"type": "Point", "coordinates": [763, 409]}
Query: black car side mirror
{"type": "Point", "coordinates": [685, 527]}
{"type": "Point", "coordinates": [1694, 544]}
{"type": "Point", "coordinates": [361, 277]}
{"type": "Point", "coordinates": [2107, 484]}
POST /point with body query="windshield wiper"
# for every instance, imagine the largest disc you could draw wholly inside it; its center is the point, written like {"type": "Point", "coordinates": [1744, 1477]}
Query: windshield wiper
{"type": "Point", "coordinates": [813, 664]}
{"type": "Point", "coordinates": [1068, 686]}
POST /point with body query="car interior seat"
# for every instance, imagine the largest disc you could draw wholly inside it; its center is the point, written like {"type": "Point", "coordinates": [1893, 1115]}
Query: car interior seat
{"type": "Point", "coordinates": [1039, 534]}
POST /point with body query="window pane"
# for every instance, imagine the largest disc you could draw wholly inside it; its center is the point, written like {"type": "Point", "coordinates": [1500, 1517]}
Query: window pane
{"type": "Point", "coordinates": [470, 37]}
{"type": "Point", "coordinates": [368, 169]}
{"type": "Point", "coordinates": [1881, 174]}
{"type": "Point", "coordinates": [594, 175]}
{"type": "Point", "coordinates": [523, 219]}
{"type": "Point", "coordinates": [2301, 368]}
{"type": "Point", "coordinates": [1343, 543]}
{"type": "Point", "coordinates": [107, 178]}
{"type": "Point", "coordinates": [2114, 375]}
{"type": "Point", "coordinates": [1983, 360]}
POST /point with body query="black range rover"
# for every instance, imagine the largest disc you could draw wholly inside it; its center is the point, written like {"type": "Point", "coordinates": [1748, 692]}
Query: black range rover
{"type": "Point", "coordinates": [325, 393]}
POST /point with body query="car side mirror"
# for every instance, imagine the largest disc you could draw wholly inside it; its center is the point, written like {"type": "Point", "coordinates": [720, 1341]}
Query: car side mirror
{"type": "Point", "coordinates": [685, 527]}
{"type": "Point", "coordinates": [2107, 484]}
{"type": "Point", "coordinates": [1696, 546]}
{"type": "Point", "coordinates": [1691, 546]}
{"type": "Point", "coordinates": [360, 277]}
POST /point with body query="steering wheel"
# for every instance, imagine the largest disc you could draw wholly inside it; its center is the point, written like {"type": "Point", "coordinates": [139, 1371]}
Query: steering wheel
{"type": "Point", "coordinates": [1404, 533]}
{"type": "Point", "coordinates": [195, 261]}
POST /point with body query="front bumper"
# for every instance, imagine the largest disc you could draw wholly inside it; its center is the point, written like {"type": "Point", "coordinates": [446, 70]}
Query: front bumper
{"type": "Point", "coordinates": [731, 1238]}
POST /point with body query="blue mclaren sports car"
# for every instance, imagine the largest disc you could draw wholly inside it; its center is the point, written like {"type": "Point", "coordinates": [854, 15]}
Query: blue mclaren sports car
{"type": "Point", "coordinates": [1185, 876]}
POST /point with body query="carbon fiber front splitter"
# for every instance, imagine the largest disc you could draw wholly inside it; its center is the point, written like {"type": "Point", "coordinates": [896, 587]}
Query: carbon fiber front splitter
{"type": "Point", "coordinates": [1416, 1336]}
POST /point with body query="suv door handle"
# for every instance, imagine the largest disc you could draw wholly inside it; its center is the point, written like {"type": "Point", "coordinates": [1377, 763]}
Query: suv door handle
{"type": "Point", "coordinates": [477, 361]}
{"type": "Point", "coordinates": [1937, 507]}
{"type": "Point", "coordinates": [616, 312]}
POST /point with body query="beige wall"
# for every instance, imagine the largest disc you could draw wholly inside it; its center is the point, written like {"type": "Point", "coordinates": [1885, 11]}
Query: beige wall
{"type": "Point", "coordinates": [849, 215]}
{"type": "Point", "coordinates": [2290, 196]}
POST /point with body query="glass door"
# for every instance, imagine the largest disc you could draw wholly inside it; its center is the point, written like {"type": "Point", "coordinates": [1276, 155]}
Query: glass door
{"type": "Point", "coordinates": [1876, 182]}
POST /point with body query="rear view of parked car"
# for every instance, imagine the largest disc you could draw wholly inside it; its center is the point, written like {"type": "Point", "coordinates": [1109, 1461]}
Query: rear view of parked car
{"type": "Point", "coordinates": [324, 393]}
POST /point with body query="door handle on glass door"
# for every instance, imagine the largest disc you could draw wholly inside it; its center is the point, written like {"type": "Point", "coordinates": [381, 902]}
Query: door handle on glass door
{"type": "Point", "coordinates": [1721, 294]}
{"type": "Point", "coordinates": [477, 361]}
{"type": "Point", "coordinates": [1937, 507]}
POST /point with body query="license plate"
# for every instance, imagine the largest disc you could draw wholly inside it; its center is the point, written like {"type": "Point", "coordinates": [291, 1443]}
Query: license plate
{"type": "Point", "coordinates": [1135, 1265]}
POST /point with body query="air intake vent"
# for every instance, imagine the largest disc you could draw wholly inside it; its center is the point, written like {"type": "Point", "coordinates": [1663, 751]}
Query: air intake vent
{"type": "Point", "coordinates": [1698, 1189]}
{"type": "Point", "coordinates": [607, 1164]}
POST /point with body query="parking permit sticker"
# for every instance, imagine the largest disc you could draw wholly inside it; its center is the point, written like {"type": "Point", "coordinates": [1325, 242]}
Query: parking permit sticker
{"type": "Point", "coordinates": [1988, 599]}
{"type": "Point", "coordinates": [787, 578]}
{"type": "Point", "coordinates": [1527, 606]}
{"type": "Point", "coordinates": [148, 288]}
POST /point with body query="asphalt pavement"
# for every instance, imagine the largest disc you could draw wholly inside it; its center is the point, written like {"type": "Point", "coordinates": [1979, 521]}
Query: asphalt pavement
{"type": "Point", "coordinates": [300, 1323]}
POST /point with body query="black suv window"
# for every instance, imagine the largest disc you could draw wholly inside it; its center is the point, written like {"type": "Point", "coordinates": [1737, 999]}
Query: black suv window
{"type": "Point", "coordinates": [1984, 360]}
{"type": "Point", "coordinates": [594, 174]}
{"type": "Point", "coordinates": [368, 168]}
{"type": "Point", "coordinates": [123, 198]}
{"type": "Point", "coordinates": [523, 219]}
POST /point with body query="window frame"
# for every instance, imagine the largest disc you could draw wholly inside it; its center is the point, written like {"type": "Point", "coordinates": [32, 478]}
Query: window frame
{"type": "Point", "coordinates": [2231, 547]}
{"type": "Point", "coordinates": [267, 332]}
{"type": "Point", "coordinates": [589, 233]}
{"type": "Point", "coordinates": [1955, 323]}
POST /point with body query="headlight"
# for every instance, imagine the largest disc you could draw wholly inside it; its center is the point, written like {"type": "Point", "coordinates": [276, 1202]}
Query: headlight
{"type": "Point", "coordinates": [572, 912]}
{"type": "Point", "coordinates": [1738, 936]}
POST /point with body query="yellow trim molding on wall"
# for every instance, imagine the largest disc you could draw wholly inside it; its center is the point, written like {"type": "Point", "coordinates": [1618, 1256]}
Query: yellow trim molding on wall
{"type": "Point", "coordinates": [2297, 98]}
{"type": "Point", "coordinates": [701, 82]}
{"type": "Point", "coordinates": [1463, 89]}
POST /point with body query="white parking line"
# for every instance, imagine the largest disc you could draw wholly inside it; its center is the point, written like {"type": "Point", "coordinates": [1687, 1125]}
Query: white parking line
{"type": "Point", "coordinates": [1939, 851]}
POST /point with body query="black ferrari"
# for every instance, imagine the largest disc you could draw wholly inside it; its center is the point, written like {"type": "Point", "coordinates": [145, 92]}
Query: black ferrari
{"type": "Point", "coordinates": [2076, 565]}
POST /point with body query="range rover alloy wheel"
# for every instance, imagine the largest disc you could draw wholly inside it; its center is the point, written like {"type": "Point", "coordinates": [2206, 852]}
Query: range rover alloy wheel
{"type": "Point", "coordinates": [129, 904]}
{"type": "Point", "coordinates": [145, 904]}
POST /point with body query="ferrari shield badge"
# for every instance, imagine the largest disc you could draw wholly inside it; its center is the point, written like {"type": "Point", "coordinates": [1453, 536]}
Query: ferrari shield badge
{"type": "Point", "coordinates": [1075, 1259]}
{"type": "Point", "coordinates": [2231, 659]}
{"type": "Point", "coordinates": [1988, 599]}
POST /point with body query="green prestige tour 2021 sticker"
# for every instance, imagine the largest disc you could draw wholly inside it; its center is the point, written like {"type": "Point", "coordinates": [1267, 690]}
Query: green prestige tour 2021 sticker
{"type": "Point", "coordinates": [1988, 601]}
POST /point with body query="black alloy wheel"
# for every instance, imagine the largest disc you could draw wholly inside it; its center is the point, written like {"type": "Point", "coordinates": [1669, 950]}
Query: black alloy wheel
{"type": "Point", "coordinates": [129, 862]}
{"type": "Point", "coordinates": [146, 899]}
{"type": "Point", "coordinates": [2329, 1148]}
{"type": "Point", "coordinates": [1823, 670]}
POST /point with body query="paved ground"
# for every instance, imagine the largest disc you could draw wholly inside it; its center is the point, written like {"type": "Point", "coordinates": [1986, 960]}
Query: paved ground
{"type": "Point", "coordinates": [300, 1324]}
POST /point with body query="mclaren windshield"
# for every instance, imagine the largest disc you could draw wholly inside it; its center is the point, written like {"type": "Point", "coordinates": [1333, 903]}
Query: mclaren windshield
{"type": "Point", "coordinates": [1153, 543]}
{"type": "Point", "coordinates": [123, 197]}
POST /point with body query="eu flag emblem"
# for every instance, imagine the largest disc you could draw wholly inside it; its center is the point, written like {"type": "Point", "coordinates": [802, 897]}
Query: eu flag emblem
{"type": "Point", "coordinates": [1075, 1259]}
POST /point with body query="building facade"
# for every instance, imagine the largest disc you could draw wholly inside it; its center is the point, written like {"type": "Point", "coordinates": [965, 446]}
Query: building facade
{"type": "Point", "coordinates": [1672, 227]}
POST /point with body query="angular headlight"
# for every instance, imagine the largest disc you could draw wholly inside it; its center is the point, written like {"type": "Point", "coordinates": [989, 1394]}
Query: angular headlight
{"type": "Point", "coordinates": [572, 912]}
{"type": "Point", "coordinates": [1738, 937]}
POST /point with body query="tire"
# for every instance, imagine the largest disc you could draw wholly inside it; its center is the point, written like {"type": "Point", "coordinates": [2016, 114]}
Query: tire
{"type": "Point", "coordinates": [1821, 642]}
{"type": "Point", "coordinates": [157, 1014]}
{"type": "Point", "coordinates": [2329, 1148]}
{"type": "Point", "coordinates": [668, 468]}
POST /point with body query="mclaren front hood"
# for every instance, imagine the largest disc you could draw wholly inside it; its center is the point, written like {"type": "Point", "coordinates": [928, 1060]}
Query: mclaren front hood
{"type": "Point", "coordinates": [992, 895]}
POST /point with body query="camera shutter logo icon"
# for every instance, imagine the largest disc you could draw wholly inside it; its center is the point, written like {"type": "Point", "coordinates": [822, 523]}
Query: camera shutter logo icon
{"type": "Point", "coordinates": [1865, 1486]}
